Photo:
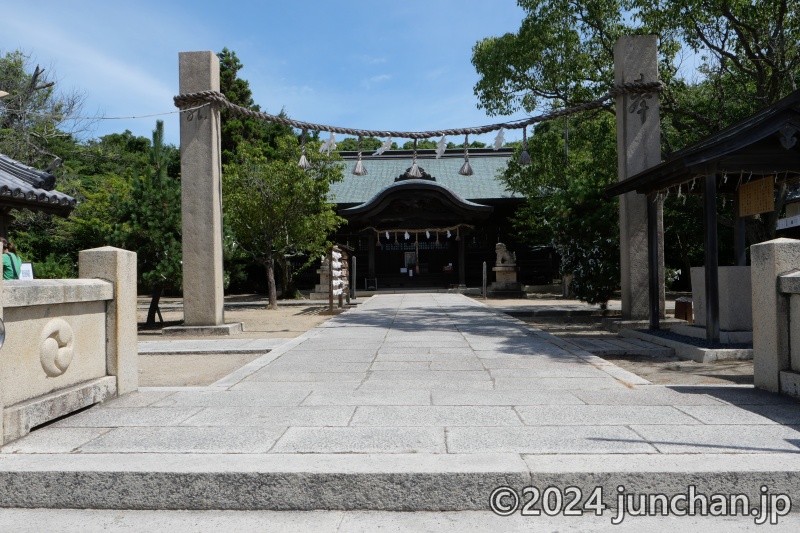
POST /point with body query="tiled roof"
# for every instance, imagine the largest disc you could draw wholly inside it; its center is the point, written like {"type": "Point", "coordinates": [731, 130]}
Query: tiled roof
{"type": "Point", "coordinates": [22, 186]}
{"type": "Point", "coordinates": [486, 164]}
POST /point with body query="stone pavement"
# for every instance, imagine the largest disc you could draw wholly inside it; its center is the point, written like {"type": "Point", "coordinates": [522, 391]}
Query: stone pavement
{"type": "Point", "coordinates": [408, 402]}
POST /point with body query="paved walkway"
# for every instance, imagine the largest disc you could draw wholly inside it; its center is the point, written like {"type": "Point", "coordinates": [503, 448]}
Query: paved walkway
{"type": "Point", "coordinates": [408, 402]}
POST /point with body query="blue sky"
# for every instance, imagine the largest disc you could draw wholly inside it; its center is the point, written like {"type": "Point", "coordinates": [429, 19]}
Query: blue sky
{"type": "Point", "coordinates": [355, 63]}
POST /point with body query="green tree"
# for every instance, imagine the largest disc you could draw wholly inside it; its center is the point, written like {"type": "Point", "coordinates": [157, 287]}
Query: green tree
{"type": "Point", "coordinates": [566, 206]}
{"type": "Point", "coordinates": [38, 123]}
{"type": "Point", "coordinates": [562, 55]}
{"type": "Point", "coordinates": [276, 209]}
{"type": "Point", "coordinates": [148, 222]}
{"type": "Point", "coordinates": [748, 52]}
{"type": "Point", "coordinates": [350, 144]}
{"type": "Point", "coordinates": [99, 175]}
{"type": "Point", "coordinates": [236, 129]}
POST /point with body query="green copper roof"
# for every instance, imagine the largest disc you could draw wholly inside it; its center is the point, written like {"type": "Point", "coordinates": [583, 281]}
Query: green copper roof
{"type": "Point", "coordinates": [486, 165]}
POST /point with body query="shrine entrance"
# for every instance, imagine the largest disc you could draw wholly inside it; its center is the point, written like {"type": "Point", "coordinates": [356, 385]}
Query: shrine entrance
{"type": "Point", "coordinates": [416, 231]}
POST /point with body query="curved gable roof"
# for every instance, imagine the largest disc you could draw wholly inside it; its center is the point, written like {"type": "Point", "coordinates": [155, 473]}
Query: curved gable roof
{"type": "Point", "coordinates": [381, 198]}
{"type": "Point", "coordinates": [486, 163]}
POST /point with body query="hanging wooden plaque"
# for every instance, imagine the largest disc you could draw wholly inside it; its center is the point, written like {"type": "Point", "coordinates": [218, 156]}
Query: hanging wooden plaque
{"type": "Point", "coordinates": [757, 196]}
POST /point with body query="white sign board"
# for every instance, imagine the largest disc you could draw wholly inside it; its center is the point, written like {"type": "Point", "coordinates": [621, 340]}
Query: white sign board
{"type": "Point", "coordinates": [26, 271]}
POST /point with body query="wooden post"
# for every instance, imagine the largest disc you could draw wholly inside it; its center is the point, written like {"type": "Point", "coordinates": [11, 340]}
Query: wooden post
{"type": "Point", "coordinates": [462, 269]}
{"type": "Point", "coordinates": [330, 280]}
{"type": "Point", "coordinates": [739, 242]}
{"type": "Point", "coordinates": [653, 245]}
{"type": "Point", "coordinates": [371, 255]}
{"type": "Point", "coordinates": [712, 257]}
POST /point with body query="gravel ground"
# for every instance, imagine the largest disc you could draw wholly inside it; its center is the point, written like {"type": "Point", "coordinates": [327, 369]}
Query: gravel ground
{"type": "Point", "coordinates": [287, 321]}
{"type": "Point", "coordinates": [661, 370]}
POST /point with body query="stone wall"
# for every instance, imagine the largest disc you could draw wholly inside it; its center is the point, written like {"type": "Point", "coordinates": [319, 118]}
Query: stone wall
{"type": "Point", "coordinates": [68, 343]}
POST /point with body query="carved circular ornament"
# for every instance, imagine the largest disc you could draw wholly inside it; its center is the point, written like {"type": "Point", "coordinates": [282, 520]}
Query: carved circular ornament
{"type": "Point", "coordinates": [56, 347]}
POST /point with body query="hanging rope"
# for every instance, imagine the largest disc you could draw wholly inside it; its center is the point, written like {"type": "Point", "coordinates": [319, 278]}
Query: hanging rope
{"type": "Point", "coordinates": [415, 231]}
{"type": "Point", "coordinates": [213, 97]}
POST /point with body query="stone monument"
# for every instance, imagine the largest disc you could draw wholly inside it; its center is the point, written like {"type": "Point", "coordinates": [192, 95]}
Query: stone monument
{"type": "Point", "coordinates": [322, 289]}
{"type": "Point", "coordinates": [201, 203]}
{"type": "Point", "coordinates": [638, 148]}
{"type": "Point", "coordinates": [505, 272]}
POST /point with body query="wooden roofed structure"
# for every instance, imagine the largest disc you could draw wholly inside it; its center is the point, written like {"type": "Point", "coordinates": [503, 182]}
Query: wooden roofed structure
{"type": "Point", "coordinates": [762, 146]}
{"type": "Point", "coordinates": [24, 187]}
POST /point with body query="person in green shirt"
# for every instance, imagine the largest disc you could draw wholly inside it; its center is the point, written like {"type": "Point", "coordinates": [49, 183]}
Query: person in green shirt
{"type": "Point", "coordinates": [11, 261]}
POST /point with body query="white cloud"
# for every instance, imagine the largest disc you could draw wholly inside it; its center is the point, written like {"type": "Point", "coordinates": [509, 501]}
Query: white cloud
{"type": "Point", "coordinates": [375, 80]}
{"type": "Point", "coordinates": [372, 60]}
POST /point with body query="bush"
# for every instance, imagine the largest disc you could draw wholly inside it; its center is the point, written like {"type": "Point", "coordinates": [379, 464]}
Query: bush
{"type": "Point", "coordinates": [55, 267]}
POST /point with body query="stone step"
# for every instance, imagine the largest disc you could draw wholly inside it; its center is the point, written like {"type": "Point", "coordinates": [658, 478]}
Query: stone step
{"type": "Point", "coordinates": [383, 482]}
{"type": "Point", "coordinates": [146, 521]}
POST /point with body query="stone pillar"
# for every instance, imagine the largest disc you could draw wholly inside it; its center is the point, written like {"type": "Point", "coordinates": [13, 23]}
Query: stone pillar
{"type": "Point", "coordinates": [122, 353]}
{"type": "Point", "coordinates": [638, 148]}
{"type": "Point", "coordinates": [201, 195]}
{"type": "Point", "coordinates": [771, 310]}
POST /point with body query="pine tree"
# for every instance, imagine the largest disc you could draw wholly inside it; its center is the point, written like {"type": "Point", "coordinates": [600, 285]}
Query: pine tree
{"type": "Point", "coordinates": [149, 222]}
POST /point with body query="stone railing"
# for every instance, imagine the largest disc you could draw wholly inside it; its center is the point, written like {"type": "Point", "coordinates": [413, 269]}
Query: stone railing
{"type": "Point", "coordinates": [776, 315]}
{"type": "Point", "coordinates": [68, 343]}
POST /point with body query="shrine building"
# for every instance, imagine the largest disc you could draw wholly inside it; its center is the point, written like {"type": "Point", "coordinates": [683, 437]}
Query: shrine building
{"type": "Point", "coordinates": [436, 230]}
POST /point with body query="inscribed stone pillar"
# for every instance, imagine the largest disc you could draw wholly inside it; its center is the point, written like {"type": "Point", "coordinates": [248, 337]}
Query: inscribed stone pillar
{"type": "Point", "coordinates": [638, 148]}
{"type": "Point", "coordinates": [201, 195]}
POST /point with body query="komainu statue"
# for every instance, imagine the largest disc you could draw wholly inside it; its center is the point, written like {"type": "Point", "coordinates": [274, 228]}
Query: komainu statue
{"type": "Point", "coordinates": [504, 257]}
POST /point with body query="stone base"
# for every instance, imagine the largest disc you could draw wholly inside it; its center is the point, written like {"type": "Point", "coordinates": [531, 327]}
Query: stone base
{"type": "Point", "coordinates": [735, 297]}
{"type": "Point", "coordinates": [725, 337]}
{"type": "Point", "coordinates": [234, 328]}
{"type": "Point", "coordinates": [505, 286]}
{"type": "Point", "coordinates": [18, 419]}
{"type": "Point", "coordinates": [790, 383]}
{"type": "Point", "coordinates": [553, 288]}
{"type": "Point", "coordinates": [318, 296]}
{"type": "Point", "coordinates": [505, 294]}
{"type": "Point", "coordinates": [616, 325]}
{"type": "Point", "coordinates": [504, 274]}
{"type": "Point", "coordinates": [693, 353]}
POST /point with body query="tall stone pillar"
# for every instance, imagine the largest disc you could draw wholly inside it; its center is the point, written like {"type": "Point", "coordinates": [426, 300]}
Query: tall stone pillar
{"type": "Point", "coordinates": [638, 148]}
{"type": "Point", "coordinates": [201, 195]}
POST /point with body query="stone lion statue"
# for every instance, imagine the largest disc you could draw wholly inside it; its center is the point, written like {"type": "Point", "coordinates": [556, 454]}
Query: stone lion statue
{"type": "Point", "coordinates": [504, 257]}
